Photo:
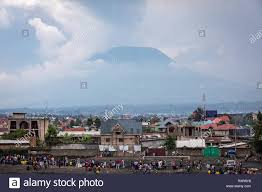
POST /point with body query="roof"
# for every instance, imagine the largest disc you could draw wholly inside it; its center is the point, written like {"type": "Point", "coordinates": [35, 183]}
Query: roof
{"type": "Point", "coordinates": [75, 129]}
{"type": "Point", "coordinates": [130, 126]}
{"type": "Point", "coordinates": [207, 126]}
{"type": "Point", "coordinates": [218, 127]}
{"type": "Point", "coordinates": [222, 118]}
{"type": "Point", "coordinates": [225, 127]}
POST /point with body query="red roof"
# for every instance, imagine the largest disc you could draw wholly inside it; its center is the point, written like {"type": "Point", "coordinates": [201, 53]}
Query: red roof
{"type": "Point", "coordinates": [208, 126]}
{"type": "Point", "coordinates": [75, 129]}
{"type": "Point", "coordinates": [222, 118]}
{"type": "Point", "coordinates": [225, 127]}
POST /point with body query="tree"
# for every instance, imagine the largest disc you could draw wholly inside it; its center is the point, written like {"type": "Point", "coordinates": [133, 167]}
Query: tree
{"type": "Point", "coordinates": [258, 133]}
{"type": "Point", "coordinates": [98, 122]}
{"type": "Point", "coordinates": [86, 138]}
{"type": "Point", "coordinates": [89, 121]}
{"type": "Point", "coordinates": [18, 133]}
{"type": "Point", "coordinates": [51, 135]}
{"type": "Point", "coordinates": [198, 114]}
{"type": "Point", "coordinates": [170, 143]}
{"type": "Point", "coordinates": [52, 131]}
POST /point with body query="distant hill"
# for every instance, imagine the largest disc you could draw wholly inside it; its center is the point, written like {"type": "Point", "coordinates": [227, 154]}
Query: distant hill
{"type": "Point", "coordinates": [136, 55]}
{"type": "Point", "coordinates": [175, 109]}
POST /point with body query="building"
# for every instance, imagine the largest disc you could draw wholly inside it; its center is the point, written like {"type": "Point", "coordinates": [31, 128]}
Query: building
{"type": "Point", "coordinates": [120, 137]}
{"type": "Point", "coordinates": [3, 126]}
{"type": "Point", "coordinates": [242, 132]}
{"type": "Point", "coordinates": [37, 125]}
{"type": "Point", "coordinates": [79, 132]}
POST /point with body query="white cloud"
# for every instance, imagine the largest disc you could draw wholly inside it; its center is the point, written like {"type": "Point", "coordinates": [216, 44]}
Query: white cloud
{"type": "Point", "coordinates": [50, 37]}
{"type": "Point", "coordinates": [5, 18]}
{"type": "Point", "coordinates": [66, 44]}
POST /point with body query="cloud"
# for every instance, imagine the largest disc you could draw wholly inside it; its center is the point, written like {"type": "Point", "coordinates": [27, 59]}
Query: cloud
{"type": "Point", "coordinates": [5, 18]}
{"type": "Point", "coordinates": [50, 37]}
{"type": "Point", "coordinates": [68, 34]}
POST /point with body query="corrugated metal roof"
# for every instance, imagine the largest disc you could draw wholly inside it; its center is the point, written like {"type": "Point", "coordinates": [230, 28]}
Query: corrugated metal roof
{"type": "Point", "coordinates": [130, 126]}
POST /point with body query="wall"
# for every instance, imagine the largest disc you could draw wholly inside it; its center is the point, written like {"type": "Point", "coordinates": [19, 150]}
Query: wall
{"type": "Point", "coordinates": [71, 150]}
{"type": "Point", "coordinates": [153, 143]}
{"type": "Point", "coordinates": [114, 140]}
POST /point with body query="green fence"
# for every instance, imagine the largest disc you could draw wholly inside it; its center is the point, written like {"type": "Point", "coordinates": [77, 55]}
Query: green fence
{"type": "Point", "coordinates": [211, 152]}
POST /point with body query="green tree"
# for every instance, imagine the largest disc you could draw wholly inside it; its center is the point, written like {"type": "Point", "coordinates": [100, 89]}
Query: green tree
{"type": "Point", "coordinates": [258, 133]}
{"type": "Point", "coordinates": [86, 139]}
{"type": "Point", "coordinates": [18, 133]}
{"type": "Point", "coordinates": [98, 122]}
{"type": "Point", "coordinates": [170, 143]}
{"type": "Point", "coordinates": [51, 135]}
{"type": "Point", "coordinates": [89, 121]}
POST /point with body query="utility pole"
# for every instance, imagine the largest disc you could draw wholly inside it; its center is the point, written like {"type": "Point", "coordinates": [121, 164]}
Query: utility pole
{"type": "Point", "coordinates": [204, 104]}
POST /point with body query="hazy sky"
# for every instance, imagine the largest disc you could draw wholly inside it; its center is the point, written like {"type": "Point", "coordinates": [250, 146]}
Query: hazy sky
{"type": "Point", "coordinates": [49, 64]}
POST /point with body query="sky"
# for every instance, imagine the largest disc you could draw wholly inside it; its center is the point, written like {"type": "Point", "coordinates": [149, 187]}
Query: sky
{"type": "Point", "coordinates": [46, 49]}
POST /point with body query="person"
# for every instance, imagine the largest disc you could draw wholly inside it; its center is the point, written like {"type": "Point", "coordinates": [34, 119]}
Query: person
{"type": "Point", "coordinates": [86, 165]}
{"type": "Point", "coordinates": [123, 163]}
{"type": "Point", "coordinates": [173, 164]}
{"type": "Point", "coordinates": [98, 169]}
{"type": "Point", "coordinates": [117, 164]}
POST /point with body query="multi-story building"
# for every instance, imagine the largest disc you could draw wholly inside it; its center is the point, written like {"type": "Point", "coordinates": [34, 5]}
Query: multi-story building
{"type": "Point", "coordinates": [120, 137]}
{"type": "Point", "coordinates": [36, 125]}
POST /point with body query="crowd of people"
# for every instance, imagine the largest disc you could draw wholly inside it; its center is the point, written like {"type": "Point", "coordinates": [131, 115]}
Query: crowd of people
{"type": "Point", "coordinates": [41, 162]}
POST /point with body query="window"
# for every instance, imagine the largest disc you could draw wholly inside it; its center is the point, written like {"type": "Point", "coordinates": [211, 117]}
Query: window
{"type": "Point", "coordinates": [34, 125]}
{"type": "Point", "coordinates": [137, 131]}
{"type": "Point", "coordinates": [13, 125]}
{"type": "Point", "coordinates": [131, 130]}
{"type": "Point", "coordinates": [107, 140]}
{"type": "Point", "coordinates": [121, 140]}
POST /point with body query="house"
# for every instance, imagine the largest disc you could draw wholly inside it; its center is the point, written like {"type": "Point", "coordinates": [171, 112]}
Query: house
{"type": "Point", "coordinates": [223, 130]}
{"type": "Point", "coordinates": [120, 137]}
{"type": "Point", "coordinates": [216, 130]}
{"type": "Point", "coordinates": [80, 132]}
{"type": "Point", "coordinates": [38, 125]}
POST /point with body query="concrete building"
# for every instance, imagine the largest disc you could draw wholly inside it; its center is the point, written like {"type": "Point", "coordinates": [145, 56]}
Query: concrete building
{"type": "Point", "coordinates": [38, 125]}
{"type": "Point", "coordinates": [120, 137]}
